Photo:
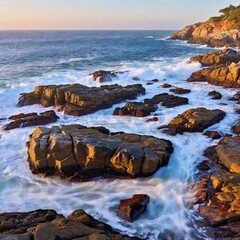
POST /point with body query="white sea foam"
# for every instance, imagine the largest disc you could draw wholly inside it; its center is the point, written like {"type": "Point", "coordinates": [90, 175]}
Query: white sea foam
{"type": "Point", "coordinates": [22, 191]}
{"type": "Point", "coordinates": [78, 59]}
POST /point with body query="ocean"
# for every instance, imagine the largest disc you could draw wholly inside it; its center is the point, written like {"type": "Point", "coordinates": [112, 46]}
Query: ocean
{"type": "Point", "coordinates": [31, 58]}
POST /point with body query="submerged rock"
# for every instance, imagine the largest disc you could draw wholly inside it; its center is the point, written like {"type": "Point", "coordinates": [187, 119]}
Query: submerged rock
{"type": "Point", "coordinates": [77, 152]}
{"type": "Point", "coordinates": [78, 100]}
{"type": "Point", "coordinates": [47, 224]}
{"type": "Point", "coordinates": [196, 120]}
{"type": "Point", "coordinates": [103, 76]}
{"type": "Point", "coordinates": [31, 119]}
{"type": "Point", "coordinates": [180, 90]}
{"type": "Point", "coordinates": [212, 134]}
{"type": "Point", "coordinates": [133, 208]}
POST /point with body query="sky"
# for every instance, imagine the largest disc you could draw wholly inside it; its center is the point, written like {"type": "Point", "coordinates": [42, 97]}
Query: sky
{"type": "Point", "coordinates": [106, 14]}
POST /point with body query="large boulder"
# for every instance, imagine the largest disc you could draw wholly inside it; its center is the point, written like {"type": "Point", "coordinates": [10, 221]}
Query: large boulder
{"type": "Point", "coordinates": [31, 119]}
{"type": "Point", "coordinates": [80, 100]}
{"type": "Point", "coordinates": [228, 153]}
{"type": "Point", "coordinates": [132, 208]}
{"type": "Point", "coordinates": [47, 224]}
{"type": "Point", "coordinates": [77, 152]}
{"type": "Point", "coordinates": [196, 120]}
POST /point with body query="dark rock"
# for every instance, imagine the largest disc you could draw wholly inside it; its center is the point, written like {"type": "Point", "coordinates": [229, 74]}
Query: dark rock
{"type": "Point", "coordinates": [166, 100]}
{"type": "Point", "coordinates": [166, 85]}
{"type": "Point", "coordinates": [172, 131]}
{"type": "Point", "coordinates": [136, 78]}
{"type": "Point", "coordinates": [149, 83]}
{"type": "Point", "coordinates": [31, 119]}
{"type": "Point", "coordinates": [180, 90]}
{"type": "Point", "coordinates": [78, 100]}
{"type": "Point", "coordinates": [103, 76]}
{"type": "Point", "coordinates": [153, 119]}
{"type": "Point", "coordinates": [237, 110]}
{"type": "Point", "coordinates": [236, 128]}
{"type": "Point", "coordinates": [155, 80]}
{"type": "Point", "coordinates": [133, 208]}
{"type": "Point", "coordinates": [203, 166]}
{"type": "Point", "coordinates": [196, 120]}
{"type": "Point", "coordinates": [212, 134]}
{"type": "Point", "coordinates": [236, 97]}
{"type": "Point", "coordinates": [76, 152]}
{"type": "Point", "coordinates": [135, 109]}
{"type": "Point", "coordinates": [215, 95]}
{"type": "Point", "coordinates": [47, 224]}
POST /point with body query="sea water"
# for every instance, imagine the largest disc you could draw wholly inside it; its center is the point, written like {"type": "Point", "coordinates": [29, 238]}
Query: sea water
{"type": "Point", "coordinates": [31, 58]}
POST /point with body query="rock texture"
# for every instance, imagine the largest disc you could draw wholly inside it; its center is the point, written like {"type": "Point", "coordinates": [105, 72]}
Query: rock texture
{"type": "Point", "coordinates": [135, 109]}
{"type": "Point", "coordinates": [30, 119]}
{"type": "Point", "coordinates": [133, 208]}
{"type": "Point", "coordinates": [218, 31]}
{"type": "Point", "coordinates": [236, 128]}
{"type": "Point", "coordinates": [221, 208]}
{"type": "Point", "coordinates": [180, 90]}
{"type": "Point", "coordinates": [195, 120]}
{"type": "Point", "coordinates": [47, 224]}
{"type": "Point", "coordinates": [215, 95]}
{"type": "Point", "coordinates": [76, 152]}
{"type": "Point", "coordinates": [103, 76]}
{"type": "Point", "coordinates": [78, 100]}
{"type": "Point", "coordinates": [224, 68]}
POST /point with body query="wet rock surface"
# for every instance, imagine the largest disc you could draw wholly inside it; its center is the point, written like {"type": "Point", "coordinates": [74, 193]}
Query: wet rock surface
{"type": "Point", "coordinates": [224, 68]}
{"type": "Point", "coordinates": [30, 119]}
{"type": "Point", "coordinates": [196, 120]}
{"type": "Point", "coordinates": [212, 134]}
{"type": "Point", "coordinates": [236, 128]}
{"type": "Point", "coordinates": [76, 152]}
{"type": "Point", "coordinates": [221, 207]}
{"type": "Point", "coordinates": [132, 208]}
{"type": "Point", "coordinates": [215, 95]}
{"type": "Point", "coordinates": [103, 76]}
{"type": "Point", "coordinates": [180, 90]}
{"type": "Point", "coordinates": [78, 100]}
{"type": "Point", "coordinates": [135, 109]}
{"type": "Point", "coordinates": [47, 224]}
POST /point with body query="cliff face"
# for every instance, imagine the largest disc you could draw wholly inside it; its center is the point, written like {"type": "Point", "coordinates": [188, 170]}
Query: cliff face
{"type": "Point", "coordinates": [220, 31]}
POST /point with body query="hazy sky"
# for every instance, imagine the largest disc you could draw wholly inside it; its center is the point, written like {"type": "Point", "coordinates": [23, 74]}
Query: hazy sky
{"type": "Point", "coordinates": [106, 14]}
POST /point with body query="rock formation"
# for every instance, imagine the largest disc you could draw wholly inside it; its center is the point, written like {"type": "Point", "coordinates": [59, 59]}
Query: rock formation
{"type": "Point", "coordinates": [194, 120]}
{"type": "Point", "coordinates": [30, 119]}
{"type": "Point", "coordinates": [180, 90]}
{"type": "Point", "coordinates": [103, 76]}
{"type": "Point", "coordinates": [76, 152]}
{"type": "Point", "coordinates": [47, 224]}
{"type": "Point", "coordinates": [224, 68]}
{"type": "Point", "coordinates": [80, 100]}
{"type": "Point", "coordinates": [220, 31]}
{"type": "Point", "coordinates": [139, 109]}
{"type": "Point", "coordinates": [132, 208]}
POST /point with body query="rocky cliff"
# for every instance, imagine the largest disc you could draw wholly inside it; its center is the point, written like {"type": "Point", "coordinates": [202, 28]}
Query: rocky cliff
{"type": "Point", "coordinates": [223, 30]}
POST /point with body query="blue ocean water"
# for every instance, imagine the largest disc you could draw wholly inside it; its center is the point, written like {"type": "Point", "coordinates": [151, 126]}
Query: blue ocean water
{"type": "Point", "coordinates": [31, 58]}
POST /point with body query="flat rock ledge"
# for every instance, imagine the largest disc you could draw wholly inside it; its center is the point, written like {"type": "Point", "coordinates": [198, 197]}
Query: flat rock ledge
{"type": "Point", "coordinates": [223, 68]}
{"type": "Point", "coordinates": [79, 153]}
{"type": "Point", "coordinates": [220, 207]}
{"type": "Point", "coordinates": [77, 99]}
{"type": "Point", "coordinates": [194, 120]}
{"type": "Point", "coordinates": [30, 119]}
{"type": "Point", "coordinates": [143, 109]}
{"type": "Point", "coordinates": [47, 224]}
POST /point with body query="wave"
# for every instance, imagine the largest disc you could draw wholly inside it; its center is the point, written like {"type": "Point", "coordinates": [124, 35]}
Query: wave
{"type": "Point", "coordinates": [79, 59]}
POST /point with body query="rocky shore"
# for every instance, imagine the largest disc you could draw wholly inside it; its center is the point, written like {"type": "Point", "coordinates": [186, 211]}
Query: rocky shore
{"type": "Point", "coordinates": [47, 224]}
{"type": "Point", "coordinates": [220, 31]}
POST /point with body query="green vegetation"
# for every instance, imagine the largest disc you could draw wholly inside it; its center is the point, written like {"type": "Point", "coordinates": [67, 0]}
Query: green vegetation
{"type": "Point", "coordinates": [230, 13]}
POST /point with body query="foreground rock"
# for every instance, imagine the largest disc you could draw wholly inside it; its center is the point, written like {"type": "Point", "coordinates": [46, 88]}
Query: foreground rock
{"type": "Point", "coordinates": [133, 208]}
{"type": "Point", "coordinates": [47, 224]}
{"type": "Point", "coordinates": [76, 152]}
{"type": "Point", "coordinates": [139, 109]}
{"type": "Point", "coordinates": [221, 208]}
{"type": "Point", "coordinates": [218, 31]}
{"type": "Point", "coordinates": [194, 120]}
{"type": "Point", "coordinates": [103, 76]}
{"type": "Point", "coordinates": [224, 68]}
{"type": "Point", "coordinates": [31, 119]}
{"type": "Point", "coordinates": [78, 100]}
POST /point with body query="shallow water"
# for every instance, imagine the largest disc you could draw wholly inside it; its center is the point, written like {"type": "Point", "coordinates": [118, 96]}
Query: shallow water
{"type": "Point", "coordinates": [34, 58]}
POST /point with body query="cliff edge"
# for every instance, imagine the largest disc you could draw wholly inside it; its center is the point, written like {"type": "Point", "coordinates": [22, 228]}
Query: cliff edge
{"type": "Point", "coordinates": [223, 30]}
